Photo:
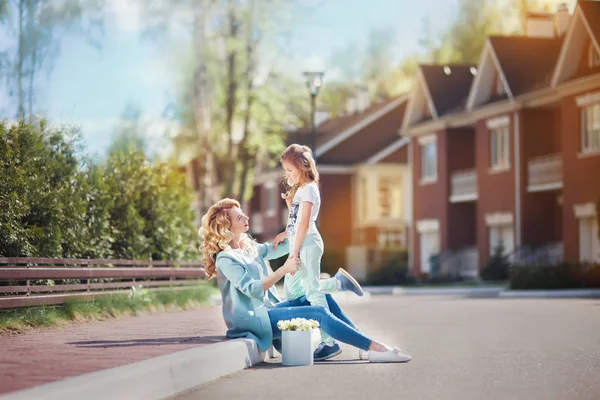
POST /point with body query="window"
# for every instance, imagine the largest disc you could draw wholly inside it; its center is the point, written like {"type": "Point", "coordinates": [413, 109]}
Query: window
{"type": "Point", "coordinates": [499, 148]}
{"type": "Point", "coordinates": [390, 199]}
{"type": "Point", "coordinates": [593, 56]}
{"type": "Point", "coordinates": [429, 162]}
{"type": "Point", "coordinates": [590, 128]}
{"type": "Point", "coordinates": [501, 234]}
{"type": "Point", "coordinates": [589, 244]}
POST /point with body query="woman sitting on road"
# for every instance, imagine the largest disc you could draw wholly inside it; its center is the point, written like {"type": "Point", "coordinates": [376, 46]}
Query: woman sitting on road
{"type": "Point", "coordinates": [250, 300]}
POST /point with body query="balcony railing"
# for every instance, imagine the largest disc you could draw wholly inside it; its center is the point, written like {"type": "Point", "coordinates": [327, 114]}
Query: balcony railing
{"type": "Point", "coordinates": [545, 173]}
{"type": "Point", "coordinates": [464, 186]}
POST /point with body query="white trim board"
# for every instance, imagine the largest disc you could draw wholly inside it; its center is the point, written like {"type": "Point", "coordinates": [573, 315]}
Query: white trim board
{"type": "Point", "coordinates": [499, 218]}
{"type": "Point", "coordinates": [397, 145]}
{"type": "Point", "coordinates": [585, 210]}
{"type": "Point", "coordinates": [428, 225]}
{"type": "Point", "coordinates": [334, 169]}
{"type": "Point", "coordinates": [358, 126]}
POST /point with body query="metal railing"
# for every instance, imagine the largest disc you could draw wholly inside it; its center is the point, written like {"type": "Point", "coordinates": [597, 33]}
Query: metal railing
{"type": "Point", "coordinates": [545, 172]}
{"type": "Point", "coordinates": [50, 281]}
{"type": "Point", "coordinates": [463, 186]}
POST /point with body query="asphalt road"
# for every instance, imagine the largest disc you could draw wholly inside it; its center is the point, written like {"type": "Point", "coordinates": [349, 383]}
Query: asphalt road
{"type": "Point", "coordinates": [462, 348]}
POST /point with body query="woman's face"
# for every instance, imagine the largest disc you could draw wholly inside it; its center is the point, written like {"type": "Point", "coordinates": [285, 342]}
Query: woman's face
{"type": "Point", "coordinates": [239, 221]}
{"type": "Point", "coordinates": [292, 173]}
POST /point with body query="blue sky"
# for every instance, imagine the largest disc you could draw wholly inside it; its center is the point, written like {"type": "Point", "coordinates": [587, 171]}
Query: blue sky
{"type": "Point", "coordinates": [91, 87]}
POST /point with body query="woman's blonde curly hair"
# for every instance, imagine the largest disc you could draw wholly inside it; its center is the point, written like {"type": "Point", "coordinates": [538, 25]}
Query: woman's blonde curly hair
{"type": "Point", "coordinates": [216, 236]}
{"type": "Point", "coordinates": [302, 158]}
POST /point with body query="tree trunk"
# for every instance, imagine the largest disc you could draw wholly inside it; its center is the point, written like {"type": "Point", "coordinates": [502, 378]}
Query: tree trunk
{"type": "Point", "coordinates": [20, 62]}
{"type": "Point", "coordinates": [246, 155]}
{"type": "Point", "coordinates": [201, 109]}
{"type": "Point", "coordinates": [231, 101]}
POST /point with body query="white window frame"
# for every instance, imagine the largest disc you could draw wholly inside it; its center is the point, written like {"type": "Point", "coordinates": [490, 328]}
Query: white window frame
{"type": "Point", "coordinates": [593, 56]}
{"type": "Point", "coordinates": [590, 129]}
{"type": "Point", "coordinates": [500, 148]}
{"type": "Point", "coordinates": [429, 167]}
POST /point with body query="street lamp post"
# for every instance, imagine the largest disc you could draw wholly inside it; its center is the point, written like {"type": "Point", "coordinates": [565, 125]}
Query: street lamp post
{"type": "Point", "coordinates": [314, 81]}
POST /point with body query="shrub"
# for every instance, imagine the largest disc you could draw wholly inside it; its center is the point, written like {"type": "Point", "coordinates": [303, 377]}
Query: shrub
{"type": "Point", "coordinates": [559, 276]}
{"type": "Point", "coordinates": [498, 265]}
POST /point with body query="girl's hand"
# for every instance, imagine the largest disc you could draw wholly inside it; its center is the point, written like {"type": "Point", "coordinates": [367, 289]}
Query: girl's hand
{"type": "Point", "coordinates": [278, 239]}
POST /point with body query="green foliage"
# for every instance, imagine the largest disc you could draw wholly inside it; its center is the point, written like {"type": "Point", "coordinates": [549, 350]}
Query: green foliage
{"type": "Point", "coordinates": [560, 276]}
{"type": "Point", "coordinates": [497, 266]}
{"type": "Point", "coordinates": [393, 271]}
{"type": "Point", "coordinates": [58, 204]}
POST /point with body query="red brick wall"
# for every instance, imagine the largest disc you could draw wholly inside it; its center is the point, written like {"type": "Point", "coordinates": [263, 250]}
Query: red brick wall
{"type": "Point", "coordinates": [496, 190]}
{"type": "Point", "coordinates": [581, 175]}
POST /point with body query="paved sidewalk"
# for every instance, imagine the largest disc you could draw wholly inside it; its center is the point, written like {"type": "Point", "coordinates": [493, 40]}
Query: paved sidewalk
{"type": "Point", "coordinates": [54, 354]}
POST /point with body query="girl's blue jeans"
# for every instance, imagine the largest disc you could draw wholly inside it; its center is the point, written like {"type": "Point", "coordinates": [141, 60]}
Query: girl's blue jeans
{"type": "Point", "coordinates": [333, 321]}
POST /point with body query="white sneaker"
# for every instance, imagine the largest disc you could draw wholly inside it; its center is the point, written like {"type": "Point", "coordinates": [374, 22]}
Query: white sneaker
{"type": "Point", "coordinates": [390, 356]}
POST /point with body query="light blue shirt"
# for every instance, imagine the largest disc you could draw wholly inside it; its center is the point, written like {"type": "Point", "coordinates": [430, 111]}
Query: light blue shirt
{"type": "Point", "coordinates": [242, 293]}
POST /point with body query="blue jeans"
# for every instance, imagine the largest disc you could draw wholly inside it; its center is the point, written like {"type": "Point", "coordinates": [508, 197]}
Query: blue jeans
{"type": "Point", "coordinates": [334, 326]}
{"type": "Point", "coordinates": [334, 307]}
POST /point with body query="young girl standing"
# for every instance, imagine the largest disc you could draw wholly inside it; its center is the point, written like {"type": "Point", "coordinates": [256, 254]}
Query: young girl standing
{"type": "Point", "coordinates": [304, 201]}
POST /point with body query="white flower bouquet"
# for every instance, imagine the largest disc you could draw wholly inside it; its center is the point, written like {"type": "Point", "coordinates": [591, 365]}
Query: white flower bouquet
{"type": "Point", "coordinates": [297, 324]}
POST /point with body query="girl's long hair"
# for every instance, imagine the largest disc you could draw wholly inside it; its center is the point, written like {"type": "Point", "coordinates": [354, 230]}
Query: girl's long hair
{"type": "Point", "coordinates": [302, 158]}
{"type": "Point", "coordinates": [216, 236]}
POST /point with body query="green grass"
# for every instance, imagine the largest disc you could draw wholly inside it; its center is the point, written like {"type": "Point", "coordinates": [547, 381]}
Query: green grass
{"type": "Point", "coordinates": [104, 307]}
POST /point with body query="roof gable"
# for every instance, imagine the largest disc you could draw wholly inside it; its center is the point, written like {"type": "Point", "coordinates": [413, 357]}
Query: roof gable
{"type": "Point", "coordinates": [420, 105]}
{"type": "Point", "coordinates": [526, 62]}
{"type": "Point", "coordinates": [585, 24]}
{"type": "Point", "coordinates": [448, 85]}
{"type": "Point", "coordinates": [488, 70]}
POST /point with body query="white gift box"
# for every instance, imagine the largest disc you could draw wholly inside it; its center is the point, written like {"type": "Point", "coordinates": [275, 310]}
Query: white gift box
{"type": "Point", "coordinates": [297, 348]}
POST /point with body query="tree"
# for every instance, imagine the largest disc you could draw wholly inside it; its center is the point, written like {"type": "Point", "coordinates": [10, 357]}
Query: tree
{"type": "Point", "coordinates": [39, 26]}
{"type": "Point", "coordinates": [497, 266]}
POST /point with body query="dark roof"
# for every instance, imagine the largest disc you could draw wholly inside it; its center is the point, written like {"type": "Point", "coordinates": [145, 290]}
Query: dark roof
{"type": "Point", "coordinates": [527, 63]}
{"type": "Point", "coordinates": [336, 126]}
{"type": "Point", "coordinates": [591, 11]}
{"type": "Point", "coordinates": [449, 92]}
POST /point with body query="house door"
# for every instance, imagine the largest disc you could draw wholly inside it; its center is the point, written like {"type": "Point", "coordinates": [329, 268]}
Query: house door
{"type": "Point", "coordinates": [504, 234]}
{"type": "Point", "coordinates": [430, 245]}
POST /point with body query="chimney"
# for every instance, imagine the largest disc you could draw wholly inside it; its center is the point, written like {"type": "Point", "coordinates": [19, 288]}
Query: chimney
{"type": "Point", "coordinates": [540, 25]}
{"type": "Point", "coordinates": [321, 116]}
{"type": "Point", "coordinates": [563, 19]}
{"type": "Point", "coordinates": [351, 105]}
{"type": "Point", "coordinates": [363, 99]}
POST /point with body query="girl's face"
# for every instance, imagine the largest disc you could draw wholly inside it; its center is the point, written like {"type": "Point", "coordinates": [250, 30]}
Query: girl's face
{"type": "Point", "coordinates": [239, 221]}
{"type": "Point", "coordinates": [292, 173]}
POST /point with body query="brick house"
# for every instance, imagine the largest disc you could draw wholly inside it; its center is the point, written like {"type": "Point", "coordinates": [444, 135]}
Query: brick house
{"type": "Point", "coordinates": [364, 184]}
{"type": "Point", "coordinates": [530, 129]}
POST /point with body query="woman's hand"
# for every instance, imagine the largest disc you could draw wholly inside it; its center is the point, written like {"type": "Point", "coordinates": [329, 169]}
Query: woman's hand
{"type": "Point", "coordinates": [279, 238]}
{"type": "Point", "coordinates": [291, 265]}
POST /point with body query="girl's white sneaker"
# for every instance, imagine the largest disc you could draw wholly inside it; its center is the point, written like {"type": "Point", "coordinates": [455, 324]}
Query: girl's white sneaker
{"type": "Point", "coordinates": [390, 356]}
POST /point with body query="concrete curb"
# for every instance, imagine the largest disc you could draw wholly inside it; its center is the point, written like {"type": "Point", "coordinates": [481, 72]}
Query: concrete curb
{"type": "Point", "coordinates": [487, 290]}
{"type": "Point", "coordinates": [155, 378]}
{"type": "Point", "coordinates": [552, 294]}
